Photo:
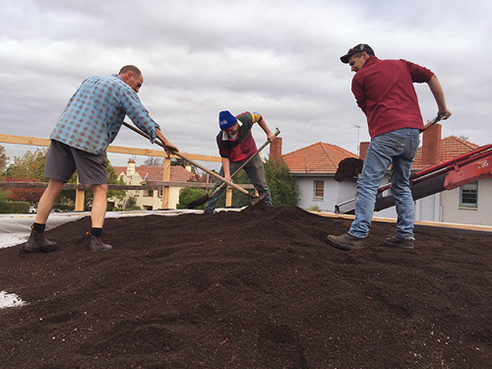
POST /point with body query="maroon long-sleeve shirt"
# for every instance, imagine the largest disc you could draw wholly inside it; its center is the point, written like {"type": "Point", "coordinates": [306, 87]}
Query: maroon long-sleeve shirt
{"type": "Point", "coordinates": [384, 91]}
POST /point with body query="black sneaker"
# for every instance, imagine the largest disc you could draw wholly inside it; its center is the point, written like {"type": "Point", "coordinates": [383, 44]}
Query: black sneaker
{"type": "Point", "coordinates": [38, 243]}
{"type": "Point", "coordinates": [403, 243]}
{"type": "Point", "coordinates": [346, 242]}
{"type": "Point", "coordinates": [96, 244]}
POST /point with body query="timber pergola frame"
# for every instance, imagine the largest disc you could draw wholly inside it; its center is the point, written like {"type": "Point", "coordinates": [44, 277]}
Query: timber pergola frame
{"type": "Point", "coordinates": [80, 189]}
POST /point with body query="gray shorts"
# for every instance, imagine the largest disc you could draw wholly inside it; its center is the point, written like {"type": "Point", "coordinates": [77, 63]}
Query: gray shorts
{"type": "Point", "coordinates": [63, 160]}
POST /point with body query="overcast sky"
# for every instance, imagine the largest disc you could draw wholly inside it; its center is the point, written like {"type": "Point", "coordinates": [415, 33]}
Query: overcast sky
{"type": "Point", "coordinates": [278, 58]}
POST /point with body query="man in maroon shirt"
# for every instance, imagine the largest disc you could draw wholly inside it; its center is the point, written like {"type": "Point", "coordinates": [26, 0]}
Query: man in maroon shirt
{"type": "Point", "coordinates": [384, 91]}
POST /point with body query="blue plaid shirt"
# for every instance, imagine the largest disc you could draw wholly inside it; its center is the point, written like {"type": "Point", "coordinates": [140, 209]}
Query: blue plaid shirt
{"type": "Point", "coordinates": [94, 114]}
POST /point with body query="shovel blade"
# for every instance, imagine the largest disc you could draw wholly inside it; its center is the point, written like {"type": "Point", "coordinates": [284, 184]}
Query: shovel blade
{"type": "Point", "coordinates": [202, 200]}
{"type": "Point", "coordinates": [256, 200]}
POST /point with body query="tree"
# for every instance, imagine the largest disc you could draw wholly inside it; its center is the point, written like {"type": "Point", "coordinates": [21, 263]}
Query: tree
{"type": "Point", "coordinates": [188, 195]}
{"type": "Point", "coordinates": [31, 195]}
{"type": "Point", "coordinates": [131, 204]}
{"type": "Point", "coordinates": [3, 160]}
{"type": "Point", "coordinates": [283, 186]}
{"type": "Point", "coordinates": [23, 169]}
{"type": "Point", "coordinates": [4, 193]}
{"type": "Point", "coordinates": [27, 165]}
{"type": "Point", "coordinates": [154, 161]}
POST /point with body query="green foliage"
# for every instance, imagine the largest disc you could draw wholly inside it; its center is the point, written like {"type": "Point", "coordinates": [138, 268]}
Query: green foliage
{"type": "Point", "coordinates": [130, 204]}
{"type": "Point", "coordinates": [314, 208]}
{"type": "Point", "coordinates": [239, 199]}
{"type": "Point", "coordinates": [283, 186]}
{"type": "Point", "coordinates": [113, 179]}
{"type": "Point", "coordinates": [3, 160]}
{"type": "Point", "coordinates": [4, 194]}
{"type": "Point", "coordinates": [14, 207]}
{"type": "Point", "coordinates": [25, 166]}
{"type": "Point", "coordinates": [188, 195]}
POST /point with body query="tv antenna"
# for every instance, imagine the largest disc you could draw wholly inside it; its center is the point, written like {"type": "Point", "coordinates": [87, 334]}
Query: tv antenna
{"type": "Point", "coordinates": [358, 140]}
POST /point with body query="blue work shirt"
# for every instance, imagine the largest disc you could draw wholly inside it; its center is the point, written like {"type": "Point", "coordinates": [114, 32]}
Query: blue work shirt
{"type": "Point", "coordinates": [95, 113]}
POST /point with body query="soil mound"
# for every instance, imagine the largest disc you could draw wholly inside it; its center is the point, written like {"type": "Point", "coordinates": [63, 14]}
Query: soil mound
{"type": "Point", "coordinates": [253, 289]}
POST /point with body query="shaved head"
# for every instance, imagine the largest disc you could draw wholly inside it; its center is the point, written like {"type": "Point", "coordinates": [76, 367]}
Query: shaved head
{"type": "Point", "coordinates": [130, 68]}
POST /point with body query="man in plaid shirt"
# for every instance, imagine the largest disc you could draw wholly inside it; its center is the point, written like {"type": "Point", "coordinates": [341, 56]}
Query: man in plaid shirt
{"type": "Point", "coordinates": [89, 123]}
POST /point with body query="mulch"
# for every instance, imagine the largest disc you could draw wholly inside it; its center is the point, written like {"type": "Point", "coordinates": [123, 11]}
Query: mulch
{"type": "Point", "coordinates": [252, 289]}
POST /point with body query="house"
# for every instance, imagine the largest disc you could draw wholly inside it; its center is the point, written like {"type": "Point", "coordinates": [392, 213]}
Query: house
{"type": "Point", "coordinates": [470, 203]}
{"type": "Point", "coordinates": [315, 166]}
{"type": "Point", "coordinates": [152, 199]}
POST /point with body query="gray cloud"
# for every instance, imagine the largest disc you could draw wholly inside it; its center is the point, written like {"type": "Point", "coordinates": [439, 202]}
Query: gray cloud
{"type": "Point", "coordinates": [278, 58]}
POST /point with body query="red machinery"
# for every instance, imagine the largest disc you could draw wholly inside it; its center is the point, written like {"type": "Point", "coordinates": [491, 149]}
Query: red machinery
{"type": "Point", "coordinates": [463, 169]}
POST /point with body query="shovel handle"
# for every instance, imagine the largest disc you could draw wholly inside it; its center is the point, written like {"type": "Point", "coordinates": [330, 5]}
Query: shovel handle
{"type": "Point", "coordinates": [212, 173]}
{"type": "Point", "coordinates": [430, 123]}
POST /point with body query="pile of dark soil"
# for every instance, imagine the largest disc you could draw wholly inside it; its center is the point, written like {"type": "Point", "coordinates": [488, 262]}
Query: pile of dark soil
{"type": "Point", "coordinates": [254, 289]}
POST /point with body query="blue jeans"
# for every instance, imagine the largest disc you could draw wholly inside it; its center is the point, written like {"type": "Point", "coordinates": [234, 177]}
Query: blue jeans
{"type": "Point", "coordinates": [397, 148]}
{"type": "Point", "coordinates": [256, 172]}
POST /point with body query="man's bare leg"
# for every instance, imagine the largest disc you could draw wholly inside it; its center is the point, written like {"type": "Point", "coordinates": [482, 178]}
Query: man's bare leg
{"type": "Point", "coordinates": [37, 242]}
{"type": "Point", "coordinates": [48, 200]}
{"type": "Point", "coordinates": [99, 205]}
{"type": "Point", "coordinates": [98, 213]}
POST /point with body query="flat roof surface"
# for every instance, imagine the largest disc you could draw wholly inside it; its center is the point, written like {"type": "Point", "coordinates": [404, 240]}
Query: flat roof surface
{"type": "Point", "coordinates": [15, 228]}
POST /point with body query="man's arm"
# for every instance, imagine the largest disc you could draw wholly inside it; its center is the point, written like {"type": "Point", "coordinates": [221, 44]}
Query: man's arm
{"type": "Point", "coordinates": [265, 128]}
{"type": "Point", "coordinates": [227, 168]}
{"type": "Point", "coordinates": [437, 91]}
{"type": "Point", "coordinates": [169, 147]}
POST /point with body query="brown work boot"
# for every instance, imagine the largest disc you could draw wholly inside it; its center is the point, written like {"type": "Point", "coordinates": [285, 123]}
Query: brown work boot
{"type": "Point", "coordinates": [346, 242]}
{"type": "Point", "coordinates": [38, 243]}
{"type": "Point", "coordinates": [402, 243]}
{"type": "Point", "coordinates": [96, 244]}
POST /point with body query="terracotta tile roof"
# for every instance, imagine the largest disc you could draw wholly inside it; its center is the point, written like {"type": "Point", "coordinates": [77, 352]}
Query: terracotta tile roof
{"type": "Point", "coordinates": [451, 147]}
{"type": "Point", "coordinates": [180, 174]}
{"type": "Point", "coordinates": [152, 173]}
{"type": "Point", "coordinates": [324, 158]}
{"type": "Point", "coordinates": [316, 158]}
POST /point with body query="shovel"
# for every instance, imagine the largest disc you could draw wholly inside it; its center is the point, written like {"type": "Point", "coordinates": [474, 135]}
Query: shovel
{"type": "Point", "coordinates": [208, 196]}
{"type": "Point", "coordinates": [184, 157]}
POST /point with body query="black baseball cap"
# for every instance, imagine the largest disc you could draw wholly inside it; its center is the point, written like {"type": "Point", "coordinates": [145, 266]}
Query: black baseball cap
{"type": "Point", "coordinates": [357, 49]}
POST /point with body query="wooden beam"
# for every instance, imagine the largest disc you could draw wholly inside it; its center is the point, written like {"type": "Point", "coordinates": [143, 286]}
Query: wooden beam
{"type": "Point", "coordinates": [35, 141]}
{"type": "Point", "coordinates": [466, 227]}
{"type": "Point", "coordinates": [166, 177]}
{"type": "Point", "coordinates": [22, 140]}
{"type": "Point", "coordinates": [79, 198]}
{"type": "Point", "coordinates": [150, 185]}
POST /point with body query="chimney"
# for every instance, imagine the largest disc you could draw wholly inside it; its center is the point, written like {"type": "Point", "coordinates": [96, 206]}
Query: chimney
{"type": "Point", "coordinates": [431, 145]}
{"type": "Point", "coordinates": [130, 168]}
{"type": "Point", "coordinates": [276, 148]}
{"type": "Point", "coordinates": [363, 146]}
